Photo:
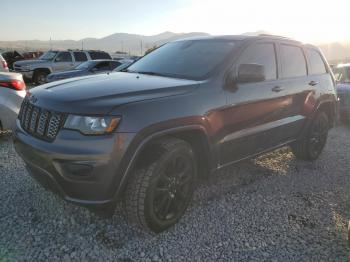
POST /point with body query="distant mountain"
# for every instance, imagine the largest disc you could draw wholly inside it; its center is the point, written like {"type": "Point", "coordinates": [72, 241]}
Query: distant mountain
{"type": "Point", "coordinates": [116, 42]}
{"type": "Point", "coordinates": [336, 52]}
{"type": "Point", "coordinates": [132, 43]}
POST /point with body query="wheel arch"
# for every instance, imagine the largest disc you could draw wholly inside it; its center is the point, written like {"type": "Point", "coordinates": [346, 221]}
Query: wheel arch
{"type": "Point", "coordinates": [44, 69]}
{"type": "Point", "coordinates": [195, 135]}
{"type": "Point", "coordinates": [330, 109]}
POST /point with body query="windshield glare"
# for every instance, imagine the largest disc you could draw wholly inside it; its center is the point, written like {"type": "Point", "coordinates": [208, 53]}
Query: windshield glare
{"type": "Point", "coordinates": [342, 74]}
{"type": "Point", "coordinates": [190, 59]}
{"type": "Point", "coordinates": [48, 55]}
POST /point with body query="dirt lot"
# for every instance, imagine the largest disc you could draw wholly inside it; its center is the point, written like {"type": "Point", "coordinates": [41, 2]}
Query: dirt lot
{"type": "Point", "coordinates": [273, 208]}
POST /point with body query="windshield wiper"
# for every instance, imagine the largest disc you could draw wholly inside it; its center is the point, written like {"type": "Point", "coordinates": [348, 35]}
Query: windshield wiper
{"type": "Point", "coordinates": [150, 73]}
{"type": "Point", "coordinates": [154, 74]}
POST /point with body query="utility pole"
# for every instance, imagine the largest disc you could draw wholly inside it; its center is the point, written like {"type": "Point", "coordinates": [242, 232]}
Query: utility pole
{"type": "Point", "coordinates": [50, 44]}
{"type": "Point", "coordinates": [141, 47]}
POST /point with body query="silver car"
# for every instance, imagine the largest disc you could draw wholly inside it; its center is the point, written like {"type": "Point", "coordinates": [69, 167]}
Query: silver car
{"type": "Point", "coordinates": [12, 93]}
{"type": "Point", "coordinates": [55, 61]}
{"type": "Point", "coordinates": [3, 65]}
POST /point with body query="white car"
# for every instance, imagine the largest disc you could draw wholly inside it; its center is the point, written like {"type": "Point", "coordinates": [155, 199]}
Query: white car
{"type": "Point", "coordinates": [12, 93]}
{"type": "Point", "coordinates": [3, 65]}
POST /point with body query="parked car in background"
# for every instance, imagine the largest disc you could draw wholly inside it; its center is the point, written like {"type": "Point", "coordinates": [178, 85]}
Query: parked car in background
{"type": "Point", "coordinates": [12, 93]}
{"type": "Point", "coordinates": [342, 75]}
{"type": "Point", "coordinates": [123, 66]}
{"type": "Point", "coordinates": [13, 56]}
{"type": "Point", "coordinates": [185, 110]}
{"type": "Point", "coordinates": [87, 68]}
{"type": "Point", "coordinates": [3, 65]}
{"type": "Point", "coordinates": [55, 61]}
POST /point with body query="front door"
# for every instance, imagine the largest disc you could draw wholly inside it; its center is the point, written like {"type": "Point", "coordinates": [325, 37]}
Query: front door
{"type": "Point", "coordinates": [254, 109]}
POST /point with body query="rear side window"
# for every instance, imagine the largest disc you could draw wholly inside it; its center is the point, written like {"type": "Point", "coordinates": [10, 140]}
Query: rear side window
{"type": "Point", "coordinates": [317, 65]}
{"type": "Point", "coordinates": [103, 66]}
{"type": "Point", "coordinates": [64, 57]}
{"type": "Point", "coordinates": [262, 54]}
{"type": "Point", "coordinates": [293, 61]}
{"type": "Point", "coordinates": [80, 56]}
{"type": "Point", "coordinates": [99, 55]}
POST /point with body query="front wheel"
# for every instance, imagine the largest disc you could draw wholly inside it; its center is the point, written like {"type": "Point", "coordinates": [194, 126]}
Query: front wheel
{"type": "Point", "coordinates": [40, 77]}
{"type": "Point", "coordinates": [158, 195]}
{"type": "Point", "coordinates": [311, 146]}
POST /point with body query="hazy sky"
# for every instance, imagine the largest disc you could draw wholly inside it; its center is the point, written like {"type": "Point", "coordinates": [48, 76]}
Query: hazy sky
{"type": "Point", "coordinates": [306, 20]}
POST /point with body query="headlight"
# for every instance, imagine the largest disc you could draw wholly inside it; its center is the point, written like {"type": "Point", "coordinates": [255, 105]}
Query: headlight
{"type": "Point", "coordinates": [92, 125]}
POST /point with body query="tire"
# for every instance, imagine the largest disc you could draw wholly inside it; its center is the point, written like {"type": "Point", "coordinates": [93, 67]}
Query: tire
{"type": "Point", "coordinates": [40, 77]}
{"type": "Point", "coordinates": [158, 195]}
{"type": "Point", "coordinates": [311, 146]}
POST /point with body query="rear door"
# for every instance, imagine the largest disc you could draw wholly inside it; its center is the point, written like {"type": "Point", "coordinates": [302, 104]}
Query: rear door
{"type": "Point", "coordinates": [79, 57]}
{"type": "Point", "coordinates": [254, 109]}
{"type": "Point", "coordinates": [295, 88]}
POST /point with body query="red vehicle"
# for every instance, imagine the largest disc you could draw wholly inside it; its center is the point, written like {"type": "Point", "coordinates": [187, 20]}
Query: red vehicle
{"type": "Point", "coordinates": [13, 56]}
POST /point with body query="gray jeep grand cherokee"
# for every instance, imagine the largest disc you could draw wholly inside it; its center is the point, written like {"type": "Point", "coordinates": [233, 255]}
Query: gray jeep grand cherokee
{"type": "Point", "coordinates": [55, 61]}
{"type": "Point", "coordinates": [184, 110]}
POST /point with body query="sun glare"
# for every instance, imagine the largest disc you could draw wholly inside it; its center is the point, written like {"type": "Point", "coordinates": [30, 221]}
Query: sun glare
{"type": "Point", "coordinates": [316, 21]}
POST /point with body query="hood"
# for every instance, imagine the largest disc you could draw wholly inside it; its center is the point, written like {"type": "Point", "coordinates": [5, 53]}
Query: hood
{"type": "Point", "coordinates": [99, 94]}
{"type": "Point", "coordinates": [343, 87]}
{"type": "Point", "coordinates": [65, 74]}
{"type": "Point", "coordinates": [30, 62]}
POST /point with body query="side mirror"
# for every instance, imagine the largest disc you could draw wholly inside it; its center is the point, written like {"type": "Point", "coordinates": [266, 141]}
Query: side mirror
{"type": "Point", "coordinates": [250, 73]}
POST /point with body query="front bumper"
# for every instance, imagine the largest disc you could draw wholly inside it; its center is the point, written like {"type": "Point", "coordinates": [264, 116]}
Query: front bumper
{"type": "Point", "coordinates": [27, 75]}
{"type": "Point", "coordinates": [81, 169]}
{"type": "Point", "coordinates": [10, 103]}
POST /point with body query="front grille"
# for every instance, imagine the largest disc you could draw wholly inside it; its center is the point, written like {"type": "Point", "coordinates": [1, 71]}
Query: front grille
{"type": "Point", "coordinates": [41, 123]}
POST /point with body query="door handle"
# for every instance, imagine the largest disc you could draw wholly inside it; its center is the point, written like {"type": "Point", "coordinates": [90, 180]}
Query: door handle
{"type": "Point", "coordinates": [313, 83]}
{"type": "Point", "coordinates": [277, 89]}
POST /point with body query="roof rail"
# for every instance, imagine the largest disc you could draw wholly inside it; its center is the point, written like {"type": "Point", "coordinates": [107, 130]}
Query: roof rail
{"type": "Point", "coordinates": [277, 36]}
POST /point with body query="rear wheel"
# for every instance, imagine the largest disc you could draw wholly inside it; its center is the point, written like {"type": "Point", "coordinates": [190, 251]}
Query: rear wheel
{"type": "Point", "coordinates": [311, 146]}
{"type": "Point", "coordinates": [40, 77]}
{"type": "Point", "coordinates": [158, 195]}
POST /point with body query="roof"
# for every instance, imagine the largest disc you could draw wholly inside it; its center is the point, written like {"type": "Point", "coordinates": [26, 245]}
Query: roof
{"type": "Point", "coordinates": [240, 37]}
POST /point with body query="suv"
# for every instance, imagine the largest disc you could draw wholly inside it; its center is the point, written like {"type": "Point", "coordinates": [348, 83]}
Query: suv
{"type": "Point", "coordinates": [181, 112]}
{"type": "Point", "coordinates": [54, 61]}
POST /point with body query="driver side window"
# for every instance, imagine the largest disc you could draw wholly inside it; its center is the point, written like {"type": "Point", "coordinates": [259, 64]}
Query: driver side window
{"type": "Point", "coordinates": [64, 57]}
{"type": "Point", "coordinates": [262, 54]}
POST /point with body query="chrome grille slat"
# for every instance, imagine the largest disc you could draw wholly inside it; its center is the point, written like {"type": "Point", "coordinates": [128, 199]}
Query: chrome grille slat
{"type": "Point", "coordinates": [42, 123]}
{"type": "Point", "coordinates": [34, 119]}
{"type": "Point", "coordinates": [39, 122]}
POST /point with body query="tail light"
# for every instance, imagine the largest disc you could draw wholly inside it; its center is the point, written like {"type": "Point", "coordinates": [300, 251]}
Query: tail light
{"type": "Point", "coordinates": [13, 84]}
{"type": "Point", "coordinates": [4, 64]}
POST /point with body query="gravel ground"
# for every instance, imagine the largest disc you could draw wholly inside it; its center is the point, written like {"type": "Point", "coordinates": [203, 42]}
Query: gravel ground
{"type": "Point", "coordinates": [273, 208]}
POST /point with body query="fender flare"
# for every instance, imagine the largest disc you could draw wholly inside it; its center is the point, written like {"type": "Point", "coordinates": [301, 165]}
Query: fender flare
{"type": "Point", "coordinates": [141, 145]}
{"type": "Point", "coordinates": [43, 68]}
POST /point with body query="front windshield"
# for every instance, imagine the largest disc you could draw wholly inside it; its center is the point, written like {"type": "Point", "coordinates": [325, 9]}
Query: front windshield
{"type": "Point", "coordinates": [190, 59]}
{"type": "Point", "coordinates": [85, 65]}
{"type": "Point", "coordinates": [48, 55]}
{"type": "Point", "coordinates": [342, 74]}
{"type": "Point", "coordinates": [122, 67]}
